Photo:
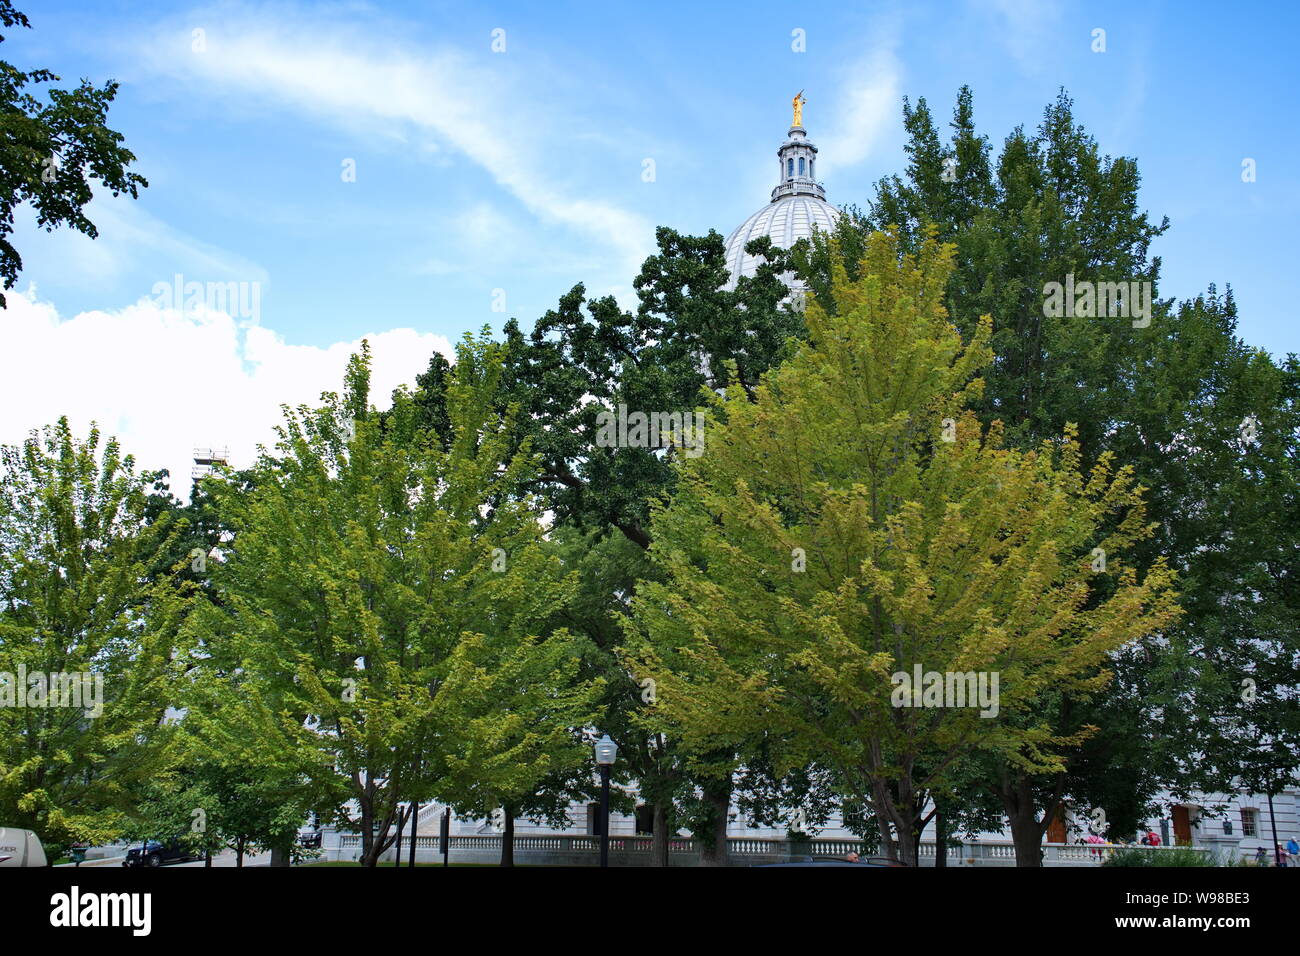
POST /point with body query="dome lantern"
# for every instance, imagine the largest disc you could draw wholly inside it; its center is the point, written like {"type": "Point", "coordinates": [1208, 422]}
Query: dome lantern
{"type": "Point", "coordinates": [798, 160]}
{"type": "Point", "coordinates": [797, 207]}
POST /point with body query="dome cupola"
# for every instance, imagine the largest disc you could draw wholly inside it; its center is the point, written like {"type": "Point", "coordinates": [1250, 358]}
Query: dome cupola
{"type": "Point", "coordinates": [797, 207]}
{"type": "Point", "coordinates": [798, 161]}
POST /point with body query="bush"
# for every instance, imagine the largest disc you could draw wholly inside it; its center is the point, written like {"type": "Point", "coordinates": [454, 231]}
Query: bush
{"type": "Point", "coordinates": [1149, 856]}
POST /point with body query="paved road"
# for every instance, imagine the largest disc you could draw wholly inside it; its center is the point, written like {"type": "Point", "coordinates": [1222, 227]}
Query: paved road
{"type": "Point", "coordinates": [226, 858]}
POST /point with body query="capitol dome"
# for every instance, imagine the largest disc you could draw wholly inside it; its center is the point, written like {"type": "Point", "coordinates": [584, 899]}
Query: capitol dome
{"type": "Point", "coordinates": [798, 204]}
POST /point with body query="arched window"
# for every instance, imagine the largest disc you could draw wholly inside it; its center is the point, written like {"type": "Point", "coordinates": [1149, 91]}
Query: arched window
{"type": "Point", "coordinates": [800, 165]}
{"type": "Point", "coordinates": [812, 167]}
{"type": "Point", "coordinates": [789, 168]}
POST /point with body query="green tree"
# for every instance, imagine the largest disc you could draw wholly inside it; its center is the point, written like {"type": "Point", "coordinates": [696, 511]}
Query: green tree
{"type": "Point", "coordinates": [690, 330]}
{"type": "Point", "coordinates": [587, 356]}
{"type": "Point", "coordinates": [51, 152]}
{"type": "Point", "coordinates": [210, 807]}
{"type": "Point", "coordinates": [853, 521]}
{"type": "Point", "coordinates": [1227, 679]}
{"type": "Point", "coordinates": [77, 603]}
{"type": "Point", "coordinates": [377, 632]}
{"type": "Point", "coordinates": [1167, 399]}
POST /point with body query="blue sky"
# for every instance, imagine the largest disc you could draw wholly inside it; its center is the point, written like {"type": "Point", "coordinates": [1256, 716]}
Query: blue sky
{"type": "Point", "coordinates": [521, 171]}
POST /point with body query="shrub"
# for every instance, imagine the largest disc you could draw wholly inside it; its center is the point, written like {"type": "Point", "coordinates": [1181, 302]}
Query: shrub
{"type": "Point", "coordinates": [1149, 856]}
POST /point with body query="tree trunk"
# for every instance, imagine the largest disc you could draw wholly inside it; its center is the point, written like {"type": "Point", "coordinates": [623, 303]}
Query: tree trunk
{"type": "Point", "coordinates": [717, 797]}
{"type": "Point", "coordinates": [894, 816]}
{"type": "Point", "coordinates": [367, 834]}
{"type": "Point", "coordinates": [401, 827]}
{"type": "Point", "coordinates": [940, 838]}
{"type": "Point", "coordinates": [1028, 837]}
{"type": "Point", "coordinates": [239, 853]}
{"type": "Point", "coordinates": [659, 841]}
{"type": "Point", "coordinates": [508, 839]}
{"type": "Point", "coordinates": [906, 813]}
{"type": "Point", "coordinates": [415, 831]}
{"type": "Point", "coordinates": [279, 856]}
{"type": "Point", "coordinates": [887, 846]}
{"type": "Point", "coordinates": [378, 839]}
{"type": "Point", "coordinates": [1022, 816]}
{"type": "Point", "coordinates": [906, 842]}
{"type": "Point", "coordinates": [1026, 831]}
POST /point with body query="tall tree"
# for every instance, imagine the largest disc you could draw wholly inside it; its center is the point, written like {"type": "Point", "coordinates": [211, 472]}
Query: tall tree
{"type": "Point", "coordinates": [691, 331]}
{"type": "Point", "coordinates": [81, 614]}
{"type": "Point", "coordinates": [587, 356]}
{"type": "Point", "coordinates": [853, 522]}
{"type": "Point", "coordinates": [378, 631]}
{"type": "Point", "coordinates": [1167, 397]}
{"type": "Point", "coordinates": [1227, 678]}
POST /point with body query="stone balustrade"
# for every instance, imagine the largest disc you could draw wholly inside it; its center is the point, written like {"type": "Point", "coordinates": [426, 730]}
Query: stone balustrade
{"type": "Point", "coordinates": [584, 850]}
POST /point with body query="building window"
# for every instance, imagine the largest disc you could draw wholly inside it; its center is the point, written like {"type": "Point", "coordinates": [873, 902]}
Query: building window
{"type": "Point", "coordinates": [593, 819]}
{"type": "Point", "coordinates": [812, 165]}
{"type": "Point", "coordinates": [645, 819]}
{"type": "Point", "coordinates": [800, 165]}
{"type": "Point", "coordinates": [789, 168]}
{"type": "Point", "coordinates": [1249, 822]}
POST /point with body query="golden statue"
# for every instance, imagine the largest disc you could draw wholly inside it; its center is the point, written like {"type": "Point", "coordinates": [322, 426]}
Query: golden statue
{"type": "Point", "coordinates": [798, 103]}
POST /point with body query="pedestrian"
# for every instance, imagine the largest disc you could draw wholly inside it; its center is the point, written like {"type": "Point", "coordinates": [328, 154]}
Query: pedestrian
{"type": "Point", "coordinates": [852, 856]}
{"type": "Point", "coordinates": [1281, 855]}
{"type": "Point", "coordinates": [1096, 842]}
{"type": "Point", "coordinates": [1153, 838]}
{"type": "Point", "coordinates": [1293, 849]}
{"type": "Point", "coordinates": [1261, 856]}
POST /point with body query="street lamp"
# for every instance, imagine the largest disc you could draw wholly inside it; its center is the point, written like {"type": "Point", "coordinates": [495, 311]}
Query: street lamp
{"type": "Point", "coordinates": [606, 753]}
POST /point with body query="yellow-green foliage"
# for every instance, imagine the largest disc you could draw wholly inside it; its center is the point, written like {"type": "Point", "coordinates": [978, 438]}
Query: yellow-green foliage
{"type": "Point", "coordinates": [385, 624]}
{"type": "Point", "coordinates": [82, 594]}
{"type": "Point", "coordinates": [956, 555]}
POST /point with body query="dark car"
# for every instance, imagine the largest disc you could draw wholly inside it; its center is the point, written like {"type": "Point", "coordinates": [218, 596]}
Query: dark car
{"type": "Point", "coordinates": [156, 853]}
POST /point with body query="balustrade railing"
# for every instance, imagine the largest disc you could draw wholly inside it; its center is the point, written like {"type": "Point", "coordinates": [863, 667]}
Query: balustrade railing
{"type": "Point", "coordinates": [568, 846]}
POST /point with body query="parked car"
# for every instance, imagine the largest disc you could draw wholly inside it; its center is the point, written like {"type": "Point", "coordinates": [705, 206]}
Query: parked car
{"type": "Point", "coordinates": [310, 841]}
{"type": "Point", "coordinates": [157, 853]}
{"type": "Point", "coordinates": [21, 848]}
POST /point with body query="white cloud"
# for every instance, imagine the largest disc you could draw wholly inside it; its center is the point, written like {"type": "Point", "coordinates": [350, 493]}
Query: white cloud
{"type": "Point", "coordinates": [165, 382]}
{"type": "Point", "coordinates": [376, 81]}
{"type": "Point", "coordinates": [1031, 30]}
{"type": "Point", "coordinates": [869, 108]}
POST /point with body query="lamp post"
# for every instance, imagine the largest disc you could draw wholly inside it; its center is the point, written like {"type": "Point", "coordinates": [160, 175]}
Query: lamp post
{"type": "Point", "coordinates": [1272, 819]}
{"type": "Point", "coordinates": [606, 753]}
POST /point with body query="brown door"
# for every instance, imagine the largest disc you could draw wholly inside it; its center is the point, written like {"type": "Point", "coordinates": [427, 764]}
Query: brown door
{"type": "Point", "coordinates": [1182, 827]}
{"type": "Point", "coordinates": [1056, 828]}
